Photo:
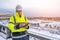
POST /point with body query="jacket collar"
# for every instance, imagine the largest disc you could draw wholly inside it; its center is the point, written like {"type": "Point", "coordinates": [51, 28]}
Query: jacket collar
{"type": "Point", "coordinates": [16, 14]}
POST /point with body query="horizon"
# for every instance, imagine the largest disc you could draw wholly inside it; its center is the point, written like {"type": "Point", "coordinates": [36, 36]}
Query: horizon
{"type": "Point", "coordinates": [34, 8]}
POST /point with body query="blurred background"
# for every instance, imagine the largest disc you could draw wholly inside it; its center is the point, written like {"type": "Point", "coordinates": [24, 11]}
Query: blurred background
{"type": "Point", "coordinates": [43, 15]}
{"type": "Point", "coordinates": [32, 8]}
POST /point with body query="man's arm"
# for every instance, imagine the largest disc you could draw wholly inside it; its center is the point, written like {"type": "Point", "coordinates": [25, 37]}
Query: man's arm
{"type": "Point", "coordinates": [27, 25]}
{"type": "Point", "coordinates": [11, 25]}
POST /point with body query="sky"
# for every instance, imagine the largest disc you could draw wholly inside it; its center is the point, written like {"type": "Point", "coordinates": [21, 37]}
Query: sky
{"type": "Point", "coordinates": [34, 8]}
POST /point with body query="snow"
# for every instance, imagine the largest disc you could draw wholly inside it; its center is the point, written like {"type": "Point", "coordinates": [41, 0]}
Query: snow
{"type": "Point", "coordinates": [2, 38]}
{"type": "Point", "coordinates": [39, 31]}
{"type": "Point", "coordinates": [4, 23]}
{"type": "Point", "coordinates": [44, 34]}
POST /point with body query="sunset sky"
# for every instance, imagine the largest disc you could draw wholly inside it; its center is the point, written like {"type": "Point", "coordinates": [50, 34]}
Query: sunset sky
{"type": "Point", "coordinates": [50, 8]}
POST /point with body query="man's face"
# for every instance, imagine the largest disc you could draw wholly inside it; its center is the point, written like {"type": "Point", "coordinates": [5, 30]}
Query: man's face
{"type": "Point", "coordinates": [19, 12]}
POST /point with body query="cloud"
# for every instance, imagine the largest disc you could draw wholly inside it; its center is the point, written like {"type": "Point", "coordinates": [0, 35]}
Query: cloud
{"type": "Point", "coordinates": [34, 7]}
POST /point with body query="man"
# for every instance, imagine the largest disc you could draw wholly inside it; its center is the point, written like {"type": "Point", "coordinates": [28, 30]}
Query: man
{"type": "Point", "coordinates": [18, 33]}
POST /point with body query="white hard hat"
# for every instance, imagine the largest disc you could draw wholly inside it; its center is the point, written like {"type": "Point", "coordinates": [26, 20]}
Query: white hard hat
{"type": "Point", "coordinates": [18, 7]}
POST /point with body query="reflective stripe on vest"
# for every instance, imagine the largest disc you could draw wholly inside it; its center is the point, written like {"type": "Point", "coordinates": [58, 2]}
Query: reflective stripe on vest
{"type": "Point", "coordinates": [15, 19]}
{"type": "Point", "coordinates": [20, 36]}
{"type": "Point", "coordinates": [11, 22]}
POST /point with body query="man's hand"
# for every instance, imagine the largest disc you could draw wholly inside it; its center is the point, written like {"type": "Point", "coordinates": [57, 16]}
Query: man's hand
{"type": "Point", "coordinates": [25, 25]}
{"type": "Point", "coordinates": [21, 24]}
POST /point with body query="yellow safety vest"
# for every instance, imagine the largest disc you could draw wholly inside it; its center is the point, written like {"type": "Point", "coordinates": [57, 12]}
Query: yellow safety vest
{"type": "Point", "coordinates": [18, 20]}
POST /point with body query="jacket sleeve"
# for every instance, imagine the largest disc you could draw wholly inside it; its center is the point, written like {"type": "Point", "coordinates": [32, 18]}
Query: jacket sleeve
{"type": "Point", "coordinates": [11, 25]}
{"type": "Point", "coordinates": [26, 20]}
